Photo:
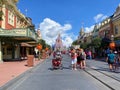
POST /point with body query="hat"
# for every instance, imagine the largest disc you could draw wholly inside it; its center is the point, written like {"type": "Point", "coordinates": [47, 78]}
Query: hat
{"type": "Point", "coordinates": [115, 52]}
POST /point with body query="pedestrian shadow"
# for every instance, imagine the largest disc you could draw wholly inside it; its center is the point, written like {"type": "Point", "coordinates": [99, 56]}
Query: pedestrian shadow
{"type": "Point", "coordinates": [66, 67]}
{"type": "Point", "coordinates": [51, 69]}
{"type": "Point", "coordinates": [62, 68]}
{"type": "Point", "coordinates": [106, 69]}
{"type": "Point", "coordinates": [100, 69]}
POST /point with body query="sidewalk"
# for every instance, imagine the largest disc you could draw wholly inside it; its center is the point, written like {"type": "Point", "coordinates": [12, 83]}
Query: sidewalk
{"type": "Point", "coordinates": [10, 70]}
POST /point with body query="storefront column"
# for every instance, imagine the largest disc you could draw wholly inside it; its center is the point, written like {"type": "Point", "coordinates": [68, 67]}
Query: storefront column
{"type": "Point", "coordinates": [1, 52]}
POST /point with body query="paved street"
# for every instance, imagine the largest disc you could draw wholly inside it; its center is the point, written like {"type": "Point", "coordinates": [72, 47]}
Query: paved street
{"type": "Point", "coordinates": [30, 32]}
{"type": "Point", "coordinates": [95, 77]}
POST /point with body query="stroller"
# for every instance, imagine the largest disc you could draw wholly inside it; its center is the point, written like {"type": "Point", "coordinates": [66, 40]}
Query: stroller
{"type": "Point", "coordinates": [57, 62]}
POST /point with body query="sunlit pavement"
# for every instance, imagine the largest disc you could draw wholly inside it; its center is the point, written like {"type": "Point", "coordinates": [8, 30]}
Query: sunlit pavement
{"type": "Point", "coordinates": [98, 69]}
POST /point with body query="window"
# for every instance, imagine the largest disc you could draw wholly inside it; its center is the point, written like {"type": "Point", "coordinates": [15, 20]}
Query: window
{"type": "Point", "coordinates": [3, 50]}
{"type": "Point", "coordinates": [9, 50]}
{"type": "Point", "coordinates": [116, 29]}
{"type": "Point", "coordinates": [10, 18]}
{"type": "Point", "coordinates": [17, 22]}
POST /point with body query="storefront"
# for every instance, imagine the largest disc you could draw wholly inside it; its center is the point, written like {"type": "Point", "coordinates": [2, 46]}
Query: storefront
{"type": "Point", "coordinates": [13, 43]}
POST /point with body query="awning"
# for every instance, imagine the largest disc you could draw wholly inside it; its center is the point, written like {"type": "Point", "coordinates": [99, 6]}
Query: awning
{"type": "Point", "coordinates": [26, 45]}
{"type": "Point", "coordinates": [106, 40]}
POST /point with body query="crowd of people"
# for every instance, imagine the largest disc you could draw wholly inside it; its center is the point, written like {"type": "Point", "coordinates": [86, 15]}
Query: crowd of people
{"type": "Point", "coordinates": [79, 56]}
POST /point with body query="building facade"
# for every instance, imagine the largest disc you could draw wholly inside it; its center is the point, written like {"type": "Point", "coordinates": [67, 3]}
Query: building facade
{"type": "Point", "coordinates": [107, 29]}
{"type": "Point", "coordinates": [116, 23]}
{"type": "Point", "coordinates": [95, 31]}
{"type": "Point", "coordinates": [15, 31]}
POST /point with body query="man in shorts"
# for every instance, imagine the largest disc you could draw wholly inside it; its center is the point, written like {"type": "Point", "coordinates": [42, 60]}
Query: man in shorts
{"type": "Point", "coordinates": [110, 59]}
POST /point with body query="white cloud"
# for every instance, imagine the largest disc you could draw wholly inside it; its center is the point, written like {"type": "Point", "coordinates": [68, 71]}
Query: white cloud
{"type": "Point", "coordinates": [89, 29]}
{"type": "Point", "coordinates": [99, 17]}
{"type": "Point", "coordinates": [50, 30]}
{"type": "Point", "coordinates": [68, 38]}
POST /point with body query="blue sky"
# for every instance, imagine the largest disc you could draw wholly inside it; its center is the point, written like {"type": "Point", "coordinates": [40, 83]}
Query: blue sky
{"type": "Point", "coordinates": [66, 16]}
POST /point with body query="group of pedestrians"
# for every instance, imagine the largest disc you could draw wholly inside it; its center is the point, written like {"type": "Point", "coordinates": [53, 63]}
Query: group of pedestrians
{"type": "Point", "coordinates": [78, 58]}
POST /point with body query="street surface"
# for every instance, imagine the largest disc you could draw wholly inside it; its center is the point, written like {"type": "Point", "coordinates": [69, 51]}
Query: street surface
{"type": "Point", "coordinates": [95, 77]}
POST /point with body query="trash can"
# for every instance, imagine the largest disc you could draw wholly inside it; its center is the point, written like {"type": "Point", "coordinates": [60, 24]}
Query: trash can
{"type": "Point", "coordinates": [30, 60]}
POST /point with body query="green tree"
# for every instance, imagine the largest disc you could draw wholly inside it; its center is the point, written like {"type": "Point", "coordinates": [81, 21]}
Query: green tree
{"type": "Point", "coordinates": [48, 46]}
{"type": "Point", "coordinates": [75, 42]}
{"type": "Point", "coordinates": [43, 43]}
{"type": "Point", "coordinates": [96, 42]}
{"type": "Point", "coordinates": [1, 2]}
{"type": "Point", "coordinates": [84, 45]}
{"type": "Point", "coordinates": [1, 12]}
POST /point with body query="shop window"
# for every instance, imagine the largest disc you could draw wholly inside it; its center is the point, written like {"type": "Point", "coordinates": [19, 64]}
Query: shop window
{"type": "Point", "coordinates": [9, 50]}
{"type": "Point", "coordinates": [3, 51]}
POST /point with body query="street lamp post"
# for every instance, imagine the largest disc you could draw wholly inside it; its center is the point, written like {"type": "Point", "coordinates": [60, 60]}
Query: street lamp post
{"type": "Point", "coordinates": [112, 37]}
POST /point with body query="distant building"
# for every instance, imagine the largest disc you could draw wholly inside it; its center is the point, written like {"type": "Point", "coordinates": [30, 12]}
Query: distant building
{"type": "Point", "coordinates": [39, 34]}
{"type": "Point", "coordinates": [58, 43]}
{"type": "Point", "coordinates": [81, 35]}
{"type": "Point", "coordinates": [84, 37]}
{"type": "Point", "coordinates": [106, 30]}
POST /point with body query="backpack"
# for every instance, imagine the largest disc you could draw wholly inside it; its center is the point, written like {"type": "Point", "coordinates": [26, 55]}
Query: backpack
{"type": "Point", "coordinates": [81, 56]}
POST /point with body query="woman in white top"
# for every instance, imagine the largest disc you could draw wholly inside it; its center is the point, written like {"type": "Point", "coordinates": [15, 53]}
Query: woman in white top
{"type": "Point", "coordinates": [74, 59]}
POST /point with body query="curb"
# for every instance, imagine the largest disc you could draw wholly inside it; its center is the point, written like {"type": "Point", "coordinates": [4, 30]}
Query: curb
{"type": "Point", "coordinates": [11, 82]}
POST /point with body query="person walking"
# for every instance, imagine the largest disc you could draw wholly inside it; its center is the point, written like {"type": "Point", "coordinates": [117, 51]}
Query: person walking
{"type": "Point", "coordinates": [35, 53]}
{"type": "Point", "coordinates": [84, 60]}
{"type": "Point", "coordinates": [81, 59]}
{"type": "Point", "coordinates": [90, 54]}
{"type": "Point", "coordinates": [116, 62]}
{"type": "Point", "coordinates": [74, 59]}
{"type": "Point", "coordinates": [110, 59]}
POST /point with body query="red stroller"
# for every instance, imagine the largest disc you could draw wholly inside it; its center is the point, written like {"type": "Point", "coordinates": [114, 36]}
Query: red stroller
{"type": "Point", "coordinates": [57, 63]}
